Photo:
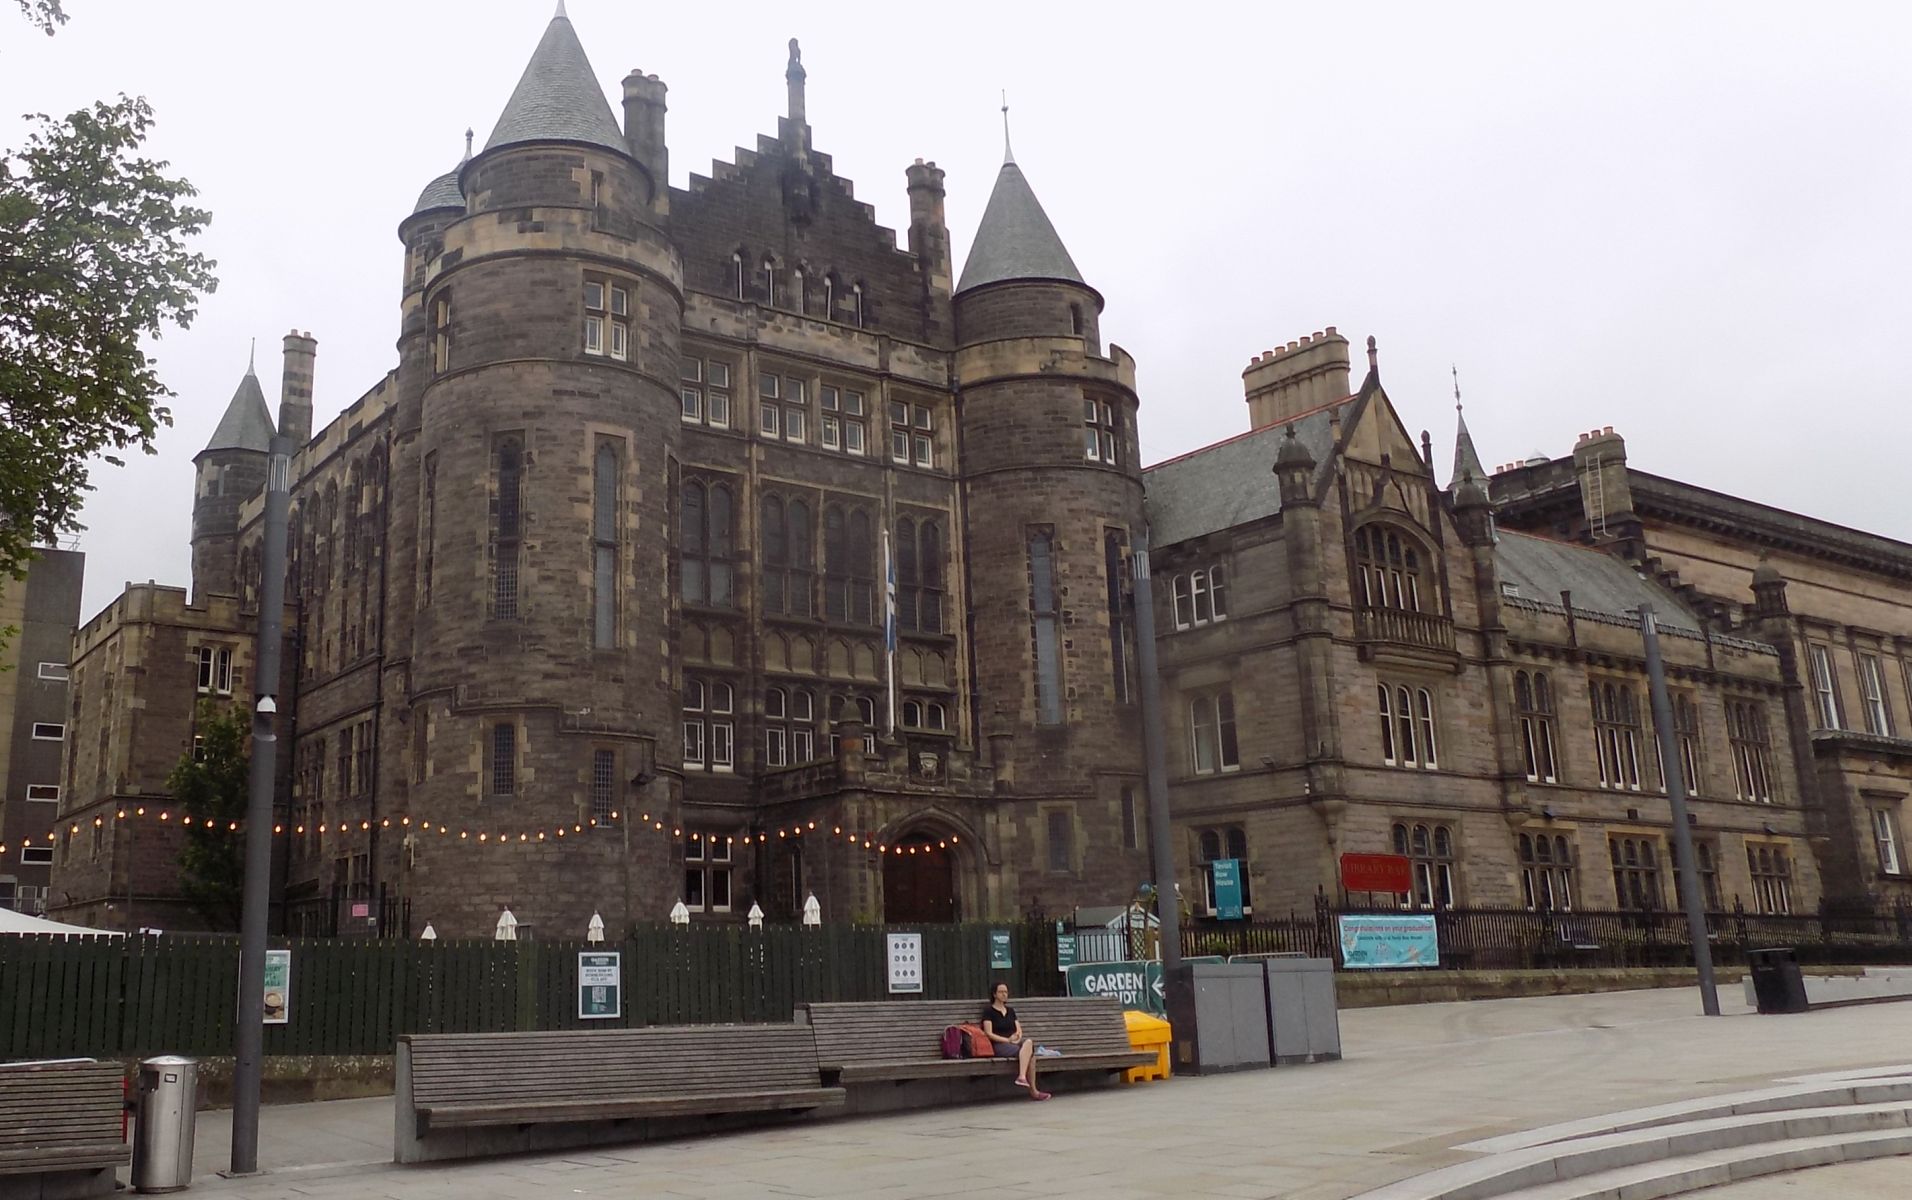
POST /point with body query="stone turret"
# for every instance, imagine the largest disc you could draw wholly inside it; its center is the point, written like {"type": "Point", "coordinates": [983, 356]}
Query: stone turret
{"type": "Point", "coordinates": [227, 473]}
{"type": "Point", "coordinates": [1053, 483]}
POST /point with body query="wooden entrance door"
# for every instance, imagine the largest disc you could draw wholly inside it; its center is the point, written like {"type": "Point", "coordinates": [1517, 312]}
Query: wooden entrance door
{"type": "Point", "coordinates": [921, 887]}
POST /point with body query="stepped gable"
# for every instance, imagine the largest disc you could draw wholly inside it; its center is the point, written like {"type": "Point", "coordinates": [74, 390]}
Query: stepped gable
{"type": "Point", "coordinates": [784, 200]}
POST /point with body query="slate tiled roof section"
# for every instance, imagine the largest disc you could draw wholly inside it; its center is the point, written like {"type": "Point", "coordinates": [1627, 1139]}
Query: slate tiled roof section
{"type": "Point", "coordinates": [1542, 568]}
{"type": "Point", "coordinates": [247, 424]}
{"type": "Point", "coordinates": [1466, 459]}
{"type": "Point", "coordinates": [559, 98]}
{"type": "Point", "coordinates": [1230, 483]}
{"type": "Point", "coordinates": [1016, 239]}
{"type": "Point", "coordinates": [442, 192]}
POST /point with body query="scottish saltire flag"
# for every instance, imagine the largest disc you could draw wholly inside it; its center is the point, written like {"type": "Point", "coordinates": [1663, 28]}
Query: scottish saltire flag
{"type": "Point", "coordinates": [889, 596]}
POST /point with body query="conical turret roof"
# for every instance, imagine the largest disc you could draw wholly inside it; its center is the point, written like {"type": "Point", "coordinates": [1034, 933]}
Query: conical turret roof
{"type": "Point", "coordinates": [442, 192]}
{"type": "Point", "coordinates": [247, 423]}
{"type": "Point", "coordinates": [1466, 460]}
{"type": "Point", "coordinates": [1016, 239]}
{"type": "Point", "coordinates": [559, 98]}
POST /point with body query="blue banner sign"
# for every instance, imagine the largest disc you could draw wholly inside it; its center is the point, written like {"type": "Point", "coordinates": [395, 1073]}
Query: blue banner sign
{"type": "Point", "coordinates": [1369, 943]}
{"type": "Point", "coordinates": [1227, 878]}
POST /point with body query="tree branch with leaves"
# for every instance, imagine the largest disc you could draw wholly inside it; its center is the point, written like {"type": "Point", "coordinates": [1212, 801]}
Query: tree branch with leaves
{"type": "Point", "coordinates": [210, 783]}
{"type": "Point", "coordinates": [94, 261]}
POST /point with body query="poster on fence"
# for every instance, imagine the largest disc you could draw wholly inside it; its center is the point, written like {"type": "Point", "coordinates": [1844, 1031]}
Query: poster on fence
{"type": "Point", "coordinates": [600, 985]}
{"type": "Point", "coordinates": [1001, 956]}
{"type": "Point", "coordinates": [906, 962]}
{"type": "Point", "coordinates": [1369, 943]}
{"type": "Point", "coordinates": [278, 987]}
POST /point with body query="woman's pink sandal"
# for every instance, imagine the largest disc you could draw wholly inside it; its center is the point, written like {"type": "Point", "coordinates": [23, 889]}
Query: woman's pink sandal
{"type": "Point", "coordinates": [1035, 1095]}
{"type": "Point", "coordinates": [1022, 1083]}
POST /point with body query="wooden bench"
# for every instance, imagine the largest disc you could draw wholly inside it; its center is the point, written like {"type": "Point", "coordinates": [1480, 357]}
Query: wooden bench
{"type": "Point", "coordinates": [462, 1095]}
{"type": "Point", "coordinates": [60, 1128]}
{"type": "Point", "coordinates": [902, 1040]}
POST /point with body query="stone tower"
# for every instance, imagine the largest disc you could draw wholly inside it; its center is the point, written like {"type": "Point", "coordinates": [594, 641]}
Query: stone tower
{"type": "Point", "coordinates": [538, 423]}
{"type": "Point", "coordinates": [1053, 491]}
{"type": "Point", "coordinates": [229, 471]}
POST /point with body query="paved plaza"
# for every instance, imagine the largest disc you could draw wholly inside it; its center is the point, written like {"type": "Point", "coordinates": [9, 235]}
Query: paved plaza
{"type": "Point", "coordinates": [1417, 1081]}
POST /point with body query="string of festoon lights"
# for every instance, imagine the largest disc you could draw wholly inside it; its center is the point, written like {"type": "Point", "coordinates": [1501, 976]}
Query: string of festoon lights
{"type": "Point", "coordinates": [463, 833]}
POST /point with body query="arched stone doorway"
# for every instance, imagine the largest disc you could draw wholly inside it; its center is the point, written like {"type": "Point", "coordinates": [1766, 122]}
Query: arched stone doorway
{"type": "Point", "coordinates": [920, 887]}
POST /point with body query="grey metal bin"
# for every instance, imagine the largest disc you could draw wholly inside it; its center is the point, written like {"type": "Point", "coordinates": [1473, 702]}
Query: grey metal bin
{"type": "Point", "coordinates": [166, 1106]}
{"type": "Point", "coordinates": [1304, 1017]}
{"type": "Point", "coordinates": [1220, 1015]}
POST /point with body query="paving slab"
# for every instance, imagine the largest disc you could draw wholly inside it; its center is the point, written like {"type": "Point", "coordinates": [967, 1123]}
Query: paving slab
{"type": "Point", "coordinates": [1416, 1084]}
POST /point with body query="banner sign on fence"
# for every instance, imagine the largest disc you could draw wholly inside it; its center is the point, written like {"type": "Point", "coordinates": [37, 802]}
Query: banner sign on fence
{"type": "Point", "coordinates": [1226, 873]}
{"type": "Point", "coordinates": [1001, 956]}
{"type": "Point", "coordinates": [1376, 873]}
{"type": "Point", "coordinates": [1065, 949]}
{"type": "Point", "coordinates": [600, 985]}
{"type": "Point", "coordinates": [278, 987]}
{"type": "Point", "coordinates": [906, 962]}
{"type": "Point", "coordinates": [1374, 942]}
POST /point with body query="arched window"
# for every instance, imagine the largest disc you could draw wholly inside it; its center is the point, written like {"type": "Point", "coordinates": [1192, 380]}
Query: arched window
{"type": "Point", "coordinates": [1114, 550]}
{"type": "Point", "coordinates": [1212, 741]}
{"type": "Point", "coordinates": [856, 301]}
{"type": "Point", "coordinates": [1546, 872]}
{"type": "Point", "coordinates": [604, 545]}
{"type": "Point", "coordinates": [738, 282]}
{"type": "Point", "coordinates": [768, 278]}
{"type": "Point", "coordinates": [1533, 704]}
{"type": "Point", "coordinates": [862, 569]}
{"type": "Point", "coordinates": [1388, 569]}
{"type": "Point", "coordinates": [1636, 873]}
{"type": "Point", "coordinates": [707, 541]}
{"type": "Point", "coordinates": [788, 727]}
{"type": "Point", "coordinates": [798, 300]}
{"type": "Point", "coordinates": [829, 296]}
{"type": "Point", "coordinates": [507, 528]}
{"type": "Point", "coordinates": [919, 576]}
{"type": "Point", "coordinates": [1430, 853]}
{"type": "Point", "coordinates": [1616, 734]}
{"type": "Point", "coordinates": [1408, 737]}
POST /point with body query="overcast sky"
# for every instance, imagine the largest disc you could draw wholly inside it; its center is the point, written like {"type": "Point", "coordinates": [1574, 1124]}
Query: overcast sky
{"type": "Point", "coordinates": [1687, 221]}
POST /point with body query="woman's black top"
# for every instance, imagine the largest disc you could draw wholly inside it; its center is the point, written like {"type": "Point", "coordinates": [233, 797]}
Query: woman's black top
{"type": "Point", "coordinates": [1002, 1024]}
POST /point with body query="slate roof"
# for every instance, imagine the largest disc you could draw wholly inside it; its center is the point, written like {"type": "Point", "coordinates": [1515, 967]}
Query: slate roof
{"type": "Point", "coordinates": [1467, 459]}
{"type": "Point", "coordinates": [1229, 483]}
{"type": "Point", "coordinates": [1016, 239]}
{"type": "Point", "coordinates": [247, 423]}
{"type": "Point", "coordinates": [442, 192]}
{"type": "Point", "coordinates": [558, 99]}
{"type": "Point", "coordinates": [1542, 568]}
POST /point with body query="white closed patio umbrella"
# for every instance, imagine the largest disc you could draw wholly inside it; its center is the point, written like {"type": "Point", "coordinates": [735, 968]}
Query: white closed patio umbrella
{"type": "Point", "coordinates": [507, 930]}
{"type": "Point", "coordinates": [812, 911]}
{"type": "Point", "coordinates": [679, 914]}
{"type": "Point", "coordinates": [594, 932]}
{"type": "Point", "coordinates": [430, 934]}
{"type": "Point", "coordinates": [755, 916]}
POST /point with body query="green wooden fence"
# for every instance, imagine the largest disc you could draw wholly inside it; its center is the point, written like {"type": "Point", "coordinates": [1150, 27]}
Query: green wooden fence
{"type": "Point", "coordinates": [125, 997]}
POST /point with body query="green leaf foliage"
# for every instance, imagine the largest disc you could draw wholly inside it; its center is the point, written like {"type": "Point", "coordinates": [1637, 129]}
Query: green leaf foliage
{"type": "Point", "coordinates": [212, 786]}
{"type": "Point", "coordinates": [43, 14]}
{"type": "Point", "coordinates": [93, 261]}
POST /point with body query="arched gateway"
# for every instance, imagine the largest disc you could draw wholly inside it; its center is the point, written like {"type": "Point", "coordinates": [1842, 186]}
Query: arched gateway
{"type": "Point", "coordinates": [919, 880]}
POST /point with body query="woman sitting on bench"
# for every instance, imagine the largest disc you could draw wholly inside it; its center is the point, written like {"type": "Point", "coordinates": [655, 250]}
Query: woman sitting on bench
{"type": "Point", "coordinates": [1005, 1032]}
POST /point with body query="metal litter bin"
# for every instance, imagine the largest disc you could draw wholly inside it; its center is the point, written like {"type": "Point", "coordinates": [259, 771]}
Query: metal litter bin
{"type": "Point", "coordinates": [165, 1107]}
{"type": "Point", "coordinates": [1778, 987]}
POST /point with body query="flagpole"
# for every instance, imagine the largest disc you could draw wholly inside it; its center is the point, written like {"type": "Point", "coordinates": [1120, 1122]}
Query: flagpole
{"type": "Point", "coordinates": [889, 630]}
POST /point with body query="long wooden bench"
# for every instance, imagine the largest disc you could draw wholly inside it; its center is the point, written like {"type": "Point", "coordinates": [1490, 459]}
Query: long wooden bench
{"type": "Point", "coordinates": [462, 1095]}
{"type": "Point", "coordinates": [60, 1128]}
{"type": "Point", "coordinates": [900, 1041]}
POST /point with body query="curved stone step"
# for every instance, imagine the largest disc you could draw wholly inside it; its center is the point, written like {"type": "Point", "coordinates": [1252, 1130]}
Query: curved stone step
{"type": "Point", "coordinates": [1677, 1176]}
{"type": "Point", "coordinates": [1577, 1158]}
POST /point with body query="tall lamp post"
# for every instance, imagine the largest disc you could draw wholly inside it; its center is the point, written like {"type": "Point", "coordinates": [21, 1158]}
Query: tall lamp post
{"type": "Point", "coordinates": [1674, 773]}
{"type": "Point", "coordinates": [249, 1040]}
{"type": "Point", "coordinates": [1155, 756]}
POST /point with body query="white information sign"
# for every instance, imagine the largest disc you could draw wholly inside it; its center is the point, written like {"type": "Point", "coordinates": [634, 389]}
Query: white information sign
{"type": "Point", "coordinates": [600, 986]}
{"type": "Point", "coordinates": [906, 962]}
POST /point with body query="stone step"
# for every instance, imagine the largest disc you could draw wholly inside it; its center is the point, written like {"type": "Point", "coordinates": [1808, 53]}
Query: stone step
{"type": "Point", "coordinates": [1677, 1176]}
{"type": "Point", "coordinates": [1507, 1173]}
{"type": "Point", "coordinates": [1811, 1092]}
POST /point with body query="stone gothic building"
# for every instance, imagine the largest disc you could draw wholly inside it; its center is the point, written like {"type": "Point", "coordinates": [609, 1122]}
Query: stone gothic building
{"type": "Point", "coordinates": [587, 598]}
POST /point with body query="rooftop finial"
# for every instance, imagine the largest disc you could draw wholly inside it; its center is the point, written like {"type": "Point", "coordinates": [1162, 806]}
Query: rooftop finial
{"type": "Point", "coordinates": [252, 355]}
{"type": "Point", "coordinates": [1374, 357]}
{"type": "Point", "coordinates": [467, 158]}
{"type": "Point", "coordinates": [1008, 155]}
{"type": "Point", "coordinates": [794, 75]}
{"type": "Point", "coordinates": [1457, 385]}
{"type": "Point", "coordinates": [560, 15]}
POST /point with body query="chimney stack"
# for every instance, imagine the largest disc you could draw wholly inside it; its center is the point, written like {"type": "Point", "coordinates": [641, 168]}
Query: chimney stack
{"type": "Point", "coordinates": [644, 110]}
{"type": "Point", "coordinates": [1306, 374]}
{"type": "Point", "coordinates": [295, 388]}
{"type": "Point", "coordinates": [929, 234]}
